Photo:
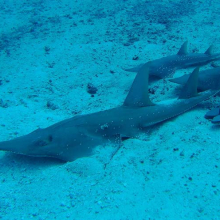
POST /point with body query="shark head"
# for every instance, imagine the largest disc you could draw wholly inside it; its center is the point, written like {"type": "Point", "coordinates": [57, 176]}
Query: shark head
{"type": "Point", "coordinates": [37, 143]}
{"type": "Point", "coordinates": [64, 143]}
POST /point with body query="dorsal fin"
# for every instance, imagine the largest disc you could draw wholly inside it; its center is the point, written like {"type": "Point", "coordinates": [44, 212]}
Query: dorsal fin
{"type": "Point", "coordinates": [183, 49]}
{"type": "Point", "coordinates": [138, 95]}
{"type": "Point", "coordinates": [209, 50]}
{"type": "Point", "coordinates": [190, 88]}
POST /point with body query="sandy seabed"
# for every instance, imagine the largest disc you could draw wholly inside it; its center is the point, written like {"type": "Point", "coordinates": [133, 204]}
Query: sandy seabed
{"type": "Point", "coordinates": [49, 52]}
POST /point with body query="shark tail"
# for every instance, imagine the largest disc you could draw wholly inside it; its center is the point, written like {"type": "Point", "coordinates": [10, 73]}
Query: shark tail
{"type": "Point", "coordinates": [180, 80]}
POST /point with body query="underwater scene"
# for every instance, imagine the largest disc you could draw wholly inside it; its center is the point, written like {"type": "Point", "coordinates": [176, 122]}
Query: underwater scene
{"type": "Point", "coordinates": [110, 110]}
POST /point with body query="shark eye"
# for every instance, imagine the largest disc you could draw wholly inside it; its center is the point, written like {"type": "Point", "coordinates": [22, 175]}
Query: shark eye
{"type": "Point", "coordinates": [46, 141]}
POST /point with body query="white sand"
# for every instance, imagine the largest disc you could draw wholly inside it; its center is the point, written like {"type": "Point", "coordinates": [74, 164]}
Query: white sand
{"type": "Point", "coordinates": [147, 179]}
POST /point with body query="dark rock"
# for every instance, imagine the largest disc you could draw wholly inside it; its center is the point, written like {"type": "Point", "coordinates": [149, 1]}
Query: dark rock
{"type": "Point", "coordinates": [91, 89]}
{"type": "Point", "coordinates": [151, 90]}
{"type": "Point", "coordinates": [51, 105]}
{"type": "Point", "coordinates": [47, 50]}
{"type": "Point", "coordinates": [3, 104]}
{"type": "Point", "coordinates": [135, 57]}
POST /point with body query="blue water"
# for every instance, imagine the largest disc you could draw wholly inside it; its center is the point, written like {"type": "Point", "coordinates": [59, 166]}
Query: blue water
{"type": "Point", "coordinates": [59, 59]}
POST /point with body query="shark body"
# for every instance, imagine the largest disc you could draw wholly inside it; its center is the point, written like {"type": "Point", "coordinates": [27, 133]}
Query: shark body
{"type": "Point", "coordinates": [77, 136]}
{"type": "Point", "coordinates": [208, 79]}
{"type": "Point", "coordinates": [166, 66]}
{"type": "Point", "coordinates": [213, 115]}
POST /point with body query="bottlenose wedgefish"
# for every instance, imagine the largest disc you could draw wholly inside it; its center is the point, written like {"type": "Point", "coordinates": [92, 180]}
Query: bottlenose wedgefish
{"type": "Point", "coordinates": [166, 66]}
{"type": "Point", "coordinates": [77, 136]}
{"type": "Point", "coordinates": [208, 79]}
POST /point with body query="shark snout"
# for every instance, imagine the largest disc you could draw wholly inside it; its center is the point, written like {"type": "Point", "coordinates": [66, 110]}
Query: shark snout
{"type": "Point", "coordinates": [17, 145]}
{"type": "Point", "coordinates": [32, 144]}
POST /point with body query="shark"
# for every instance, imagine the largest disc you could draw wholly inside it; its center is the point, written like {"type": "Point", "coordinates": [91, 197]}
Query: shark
{"type": "Point", "coordinates": [166, 66]}
{"type": "Point", "coordinates": [208, 79]}
{"type": "Point", "coordinates": [213, 115]}
{"type": "Point", "coordinates": [78, 136]}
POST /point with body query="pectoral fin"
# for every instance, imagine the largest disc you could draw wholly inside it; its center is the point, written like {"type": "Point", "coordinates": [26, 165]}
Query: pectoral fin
{"type": "Point", "coordinates": [134, 69]}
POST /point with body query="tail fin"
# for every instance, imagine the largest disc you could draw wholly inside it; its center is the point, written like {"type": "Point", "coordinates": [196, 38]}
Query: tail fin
{"type": "Point", "coordinates": [180, 80]}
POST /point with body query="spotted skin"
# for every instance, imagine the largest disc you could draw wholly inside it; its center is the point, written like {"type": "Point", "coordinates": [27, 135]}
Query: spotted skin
{"type": "Point", "coordinates": [78, 136]}
{"type": "Point", "coordinates": [208, 79]}
{"type": "Point", "coordinates": [166, 66]}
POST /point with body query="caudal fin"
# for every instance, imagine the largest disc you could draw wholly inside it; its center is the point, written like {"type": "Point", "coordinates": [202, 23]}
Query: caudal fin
{"type": "Point", "coordinates": [180, 80]}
